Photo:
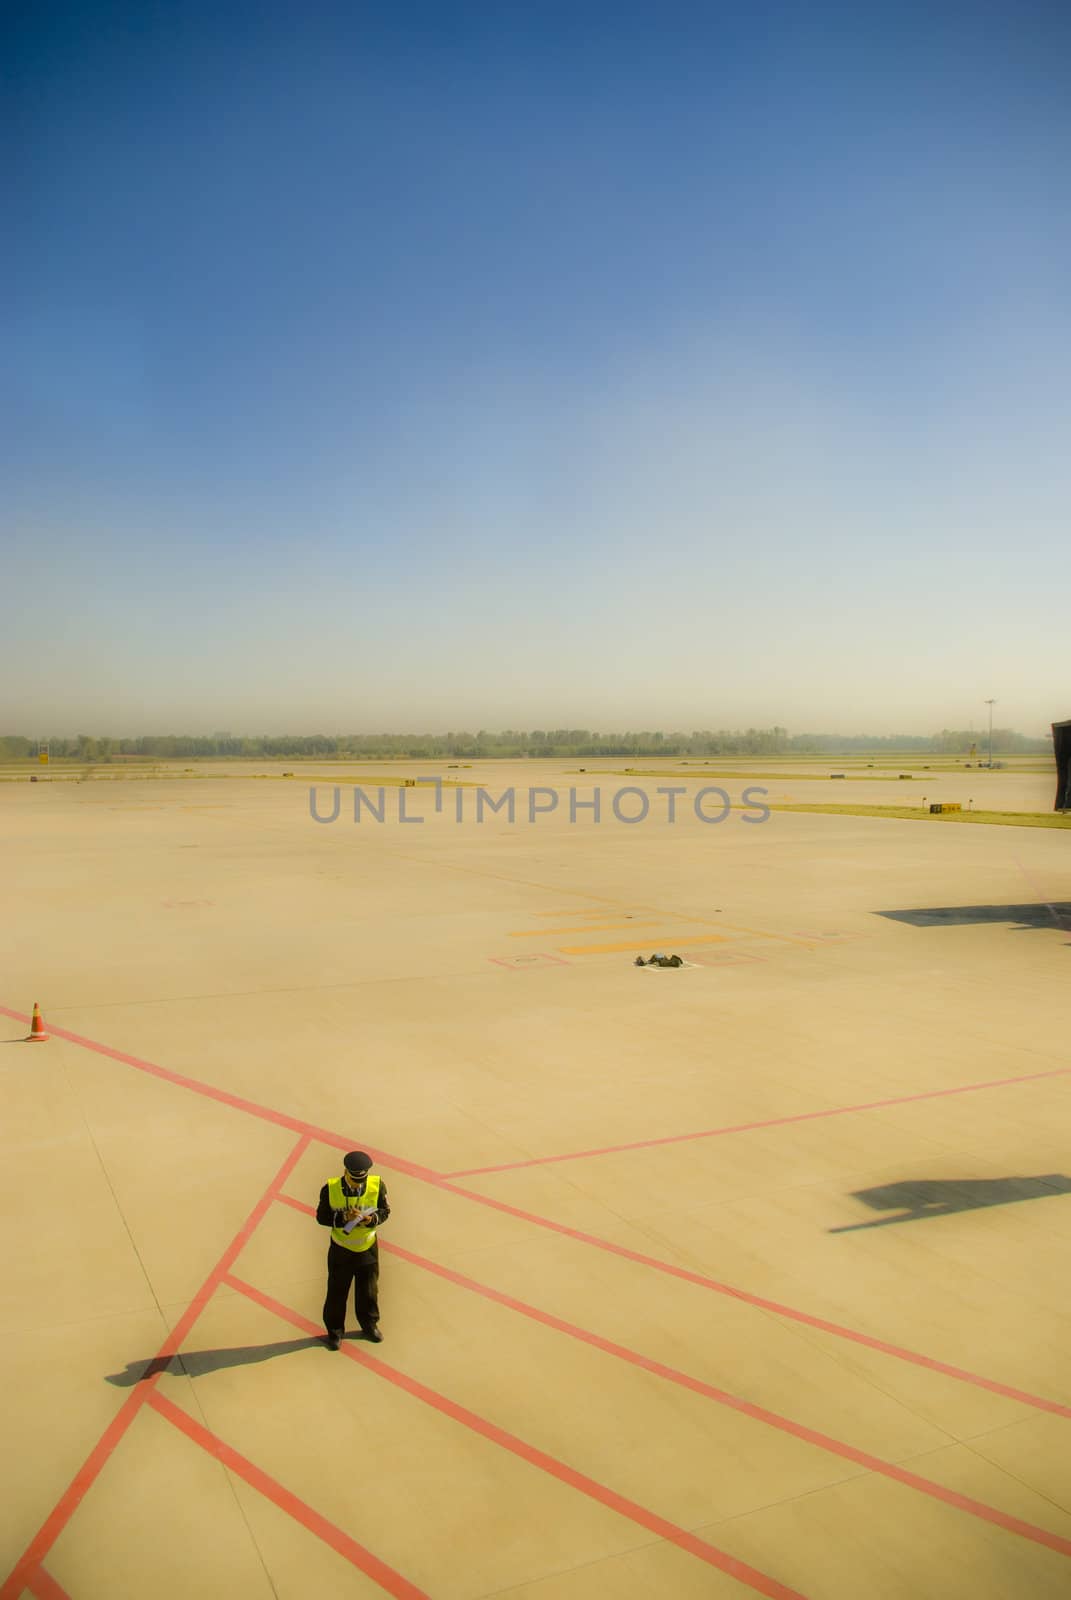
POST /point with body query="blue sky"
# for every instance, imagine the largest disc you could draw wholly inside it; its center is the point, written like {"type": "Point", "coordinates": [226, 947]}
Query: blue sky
{"type": "Point", "coordinates": [423, 366]}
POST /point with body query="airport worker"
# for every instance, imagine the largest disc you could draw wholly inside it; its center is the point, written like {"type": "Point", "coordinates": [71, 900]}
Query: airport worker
{"type": "Point", "coordinates": [353, 1206]}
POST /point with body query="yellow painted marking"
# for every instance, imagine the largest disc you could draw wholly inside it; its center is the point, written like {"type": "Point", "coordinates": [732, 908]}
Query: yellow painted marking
{"type": "Point", "coordinates": [685, 941]}
{"type": "Point", "coordinates": [590, 927]}
{"type": "Point", "coordinates": [733, 927]}
{"type": "Point", "coordinates": [764, 933]}
{"type": "Point", "coordinates": [572, 911]}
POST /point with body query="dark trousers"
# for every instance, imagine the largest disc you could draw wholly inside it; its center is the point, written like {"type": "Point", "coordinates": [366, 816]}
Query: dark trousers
{"type": "Point", "coordinates": [361, 1268]}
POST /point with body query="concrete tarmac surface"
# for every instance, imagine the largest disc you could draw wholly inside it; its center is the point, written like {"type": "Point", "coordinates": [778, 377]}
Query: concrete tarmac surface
{"type": "Point", "coordinates": [749, 1277]}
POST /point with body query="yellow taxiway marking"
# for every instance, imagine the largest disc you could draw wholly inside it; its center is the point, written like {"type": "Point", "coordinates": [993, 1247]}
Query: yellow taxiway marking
{"type": "Point", "coordinates": [589, 927]}
{"type": "Point", "coordinates": [764, 933]}
{"type": "Point", "coordinates": [573, 911]}
{"type": "Point", "coordinates": [803, 940]}
{"type": "Point", "coordinates": [684, 940]}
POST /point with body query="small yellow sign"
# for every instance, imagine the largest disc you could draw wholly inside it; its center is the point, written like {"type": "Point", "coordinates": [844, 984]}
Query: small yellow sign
{"type": "Point", "coordinates": [43, 758]}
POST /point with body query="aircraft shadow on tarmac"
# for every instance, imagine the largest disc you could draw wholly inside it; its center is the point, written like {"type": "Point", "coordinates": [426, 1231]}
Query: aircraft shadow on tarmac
{"type": "Point", "coordinates": [195, 1363]}
{"type": "Point", "coordinates": [1046, 914]}
{"type": "Point", "coordinates": [925, 1197]}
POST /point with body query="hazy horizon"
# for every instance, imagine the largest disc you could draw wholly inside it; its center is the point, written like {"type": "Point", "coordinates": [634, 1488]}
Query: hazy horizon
{"type": "Point", "coordinates": [430, 367]}
{"type": "Point", "coordinates": [1000, 732]}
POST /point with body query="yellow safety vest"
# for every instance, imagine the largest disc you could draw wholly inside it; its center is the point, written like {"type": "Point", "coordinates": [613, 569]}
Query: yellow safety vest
{"type": "Point", "coordinates": [362, 1237]}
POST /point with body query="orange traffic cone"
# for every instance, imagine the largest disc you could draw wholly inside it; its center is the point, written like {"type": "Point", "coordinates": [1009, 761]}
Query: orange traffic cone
{"type": "Point", "coordinates": [37, 1027]}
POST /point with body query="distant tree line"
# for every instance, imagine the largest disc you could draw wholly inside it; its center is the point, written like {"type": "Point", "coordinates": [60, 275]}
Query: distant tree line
{"type": "Point", "coordinates": [949, 742]}
{"type": "Point", "coordinates": [560, 743]}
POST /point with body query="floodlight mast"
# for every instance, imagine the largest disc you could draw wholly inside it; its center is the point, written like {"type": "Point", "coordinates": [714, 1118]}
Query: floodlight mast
{"type": "Point", "coordinates": [990, 704]}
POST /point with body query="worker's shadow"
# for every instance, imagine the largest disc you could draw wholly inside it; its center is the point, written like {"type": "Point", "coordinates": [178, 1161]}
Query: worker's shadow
{"type": "Point", "coordinates": [925, 1197]}
{"type": "Point", "coordinates": [195, 1363]}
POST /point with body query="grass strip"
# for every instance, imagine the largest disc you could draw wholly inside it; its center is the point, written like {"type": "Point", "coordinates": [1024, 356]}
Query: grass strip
{"type": "Point", "coordinates": [1006, 819]}
{"type": "Point", "coordinates": [926, 775]}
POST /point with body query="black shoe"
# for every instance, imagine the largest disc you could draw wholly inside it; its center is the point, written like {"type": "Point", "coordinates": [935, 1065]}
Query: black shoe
{"type": "Point", "coordinates": [333, 1340]}
{"type": "Point", "coordinates": [374, 1335]}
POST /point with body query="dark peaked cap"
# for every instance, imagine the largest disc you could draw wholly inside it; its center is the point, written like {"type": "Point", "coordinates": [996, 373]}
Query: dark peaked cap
{"type": "Point", "coordinates": [357, 1161]}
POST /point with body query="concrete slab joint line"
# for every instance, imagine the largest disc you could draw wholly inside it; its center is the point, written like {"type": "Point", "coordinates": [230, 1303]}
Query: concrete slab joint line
{"type": "Point", "coordinates": [757, 1413]}
{"type": "Point", "coordinates": [83, 1480]}
{"type": "Point", "coordinates": [761, 1582]}
{"type": "Point", "coordinates": [393, 1582]}
{"type": "Point", "coordinates": [29, 1567]}
{"type": "Point", "coordinates": [28, 1571]}
{"type": "Point", "coordinates": [426, 1175]}
{"type": "Point", "coordinates": [386, 1577]}
{"type": "Point", "coordinates": [357, 1554]}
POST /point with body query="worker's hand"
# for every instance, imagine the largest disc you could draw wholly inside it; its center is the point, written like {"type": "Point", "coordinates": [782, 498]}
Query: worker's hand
{"type": "Point", "coordinates": [351, 1214]}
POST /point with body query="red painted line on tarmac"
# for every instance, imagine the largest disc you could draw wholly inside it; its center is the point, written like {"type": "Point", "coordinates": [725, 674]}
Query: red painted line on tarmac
{"type": "Point", "coordinates": [54, 1524]}
{"type": "Point", "coordinates": [751, 1127]}
{"type": "Point", "coordinates": [425, 1175]}
{"type": "Point", "coordinates": [358, 1555]}
{"type": "Point", "coordinates": [101, 1452]}
{"type": "Point", "coordinates": [44, 1586]}
{"type": "Point", "coordinates": [689, 1542]}
{"type": "Point", "coordinates": [759, 1301]}
{"type": "Point", "coordinates": [899, 1352]}
{"type": "Point", "coordinates": [539, 958]}
{"type": "Point", "coordinates": [265, 1113]}
{"type": "Point", "coordinates": [772, 1419]}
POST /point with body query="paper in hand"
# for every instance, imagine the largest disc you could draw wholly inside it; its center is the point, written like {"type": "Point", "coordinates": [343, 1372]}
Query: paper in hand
{"type": "Point", "coordinates": [348, 1227]}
